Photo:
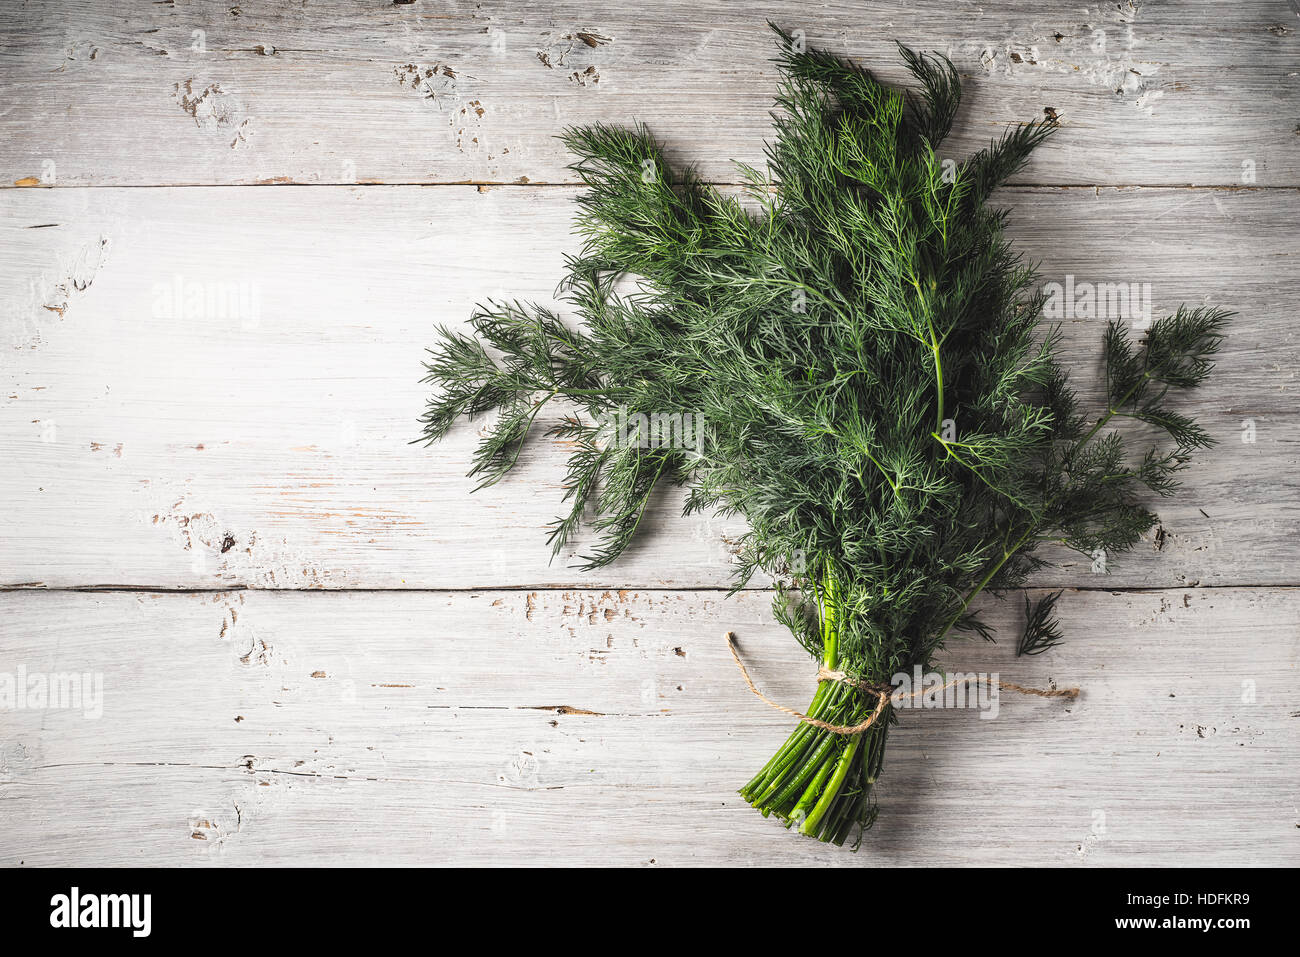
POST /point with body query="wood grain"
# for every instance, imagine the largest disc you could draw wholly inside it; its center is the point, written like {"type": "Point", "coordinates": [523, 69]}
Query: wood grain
{"type": "Point", "coordinates": [166, 437]}
{"type": "Point", "coordinates": [588, 727]}
{"type": "Point", "coordinates": [257, 92]}
{"type": "Point", "coordinates": [317, 647]}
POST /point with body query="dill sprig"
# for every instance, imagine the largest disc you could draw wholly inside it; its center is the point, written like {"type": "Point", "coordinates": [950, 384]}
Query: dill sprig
{"type": "Point", "coordinates": [1042, 630]}
{"type": "Point", "coordinates": [858, 348]}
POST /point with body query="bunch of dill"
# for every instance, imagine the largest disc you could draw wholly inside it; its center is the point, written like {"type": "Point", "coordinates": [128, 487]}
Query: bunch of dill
{"type": "Point", "coordinates": [858, 346]}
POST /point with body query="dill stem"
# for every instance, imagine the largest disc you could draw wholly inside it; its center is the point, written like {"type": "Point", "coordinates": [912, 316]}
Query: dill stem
{"type": "Point", "coordinates": [832, 791]}
{"type": "Point", "coordinates": [816, 761]}
{"type": "Point", "coordinates": [797, 737]}
{"type": "Point", "coordinates": [810, 796]}
{"type": "Point", "coordinates": [796, 760]}
{"type": "Point", "coordinates": [1111, 412]}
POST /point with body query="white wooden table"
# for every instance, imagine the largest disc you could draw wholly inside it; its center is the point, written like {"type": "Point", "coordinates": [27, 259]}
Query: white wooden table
{"type": "Point", "coordinates": [227, 233]}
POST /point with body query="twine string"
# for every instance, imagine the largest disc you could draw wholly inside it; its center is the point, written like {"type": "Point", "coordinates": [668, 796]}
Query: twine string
{"type": "Point", "coordinates": [884, 693]}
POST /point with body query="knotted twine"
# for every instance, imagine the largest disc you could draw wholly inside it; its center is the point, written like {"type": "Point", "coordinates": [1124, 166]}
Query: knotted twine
{"type": "Point", "coordinates": [884, 693]}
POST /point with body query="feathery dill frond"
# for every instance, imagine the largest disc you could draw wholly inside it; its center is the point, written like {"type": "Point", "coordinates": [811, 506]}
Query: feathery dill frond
{"type": "Point", "coordinates": [1042, 630]}
{"type": "Point", "coordinates": [850, 359]}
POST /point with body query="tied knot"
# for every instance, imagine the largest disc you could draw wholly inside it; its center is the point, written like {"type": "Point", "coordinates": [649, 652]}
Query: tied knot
{"type": "Point", "coordinates": [884, 693]}
{"type": "Point", "coordinates": [844, 678]}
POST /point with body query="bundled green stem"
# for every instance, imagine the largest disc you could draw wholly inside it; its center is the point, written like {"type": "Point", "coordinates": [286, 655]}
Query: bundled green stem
{"type": "Point", "coordinates": [820, 780]}
{"type": "Point", "coordinates": [857, 349]}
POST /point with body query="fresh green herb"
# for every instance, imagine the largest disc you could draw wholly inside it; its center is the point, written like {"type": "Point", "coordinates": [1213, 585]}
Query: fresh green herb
{"type": "Point", "coordinates": [857, 346]}
{"type": "Point", "coordinates": [1042, 630]}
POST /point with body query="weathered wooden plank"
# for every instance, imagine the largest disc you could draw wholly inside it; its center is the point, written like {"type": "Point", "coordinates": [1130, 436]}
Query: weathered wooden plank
{"type": "Point", "coordinates": [159, 94]}
{"type": "Point", "coordinates": [589, 727]}
{"type": "Point", "coordinates": [215, 388]}
{"type": "Point", "coordinates": [162, 435]}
